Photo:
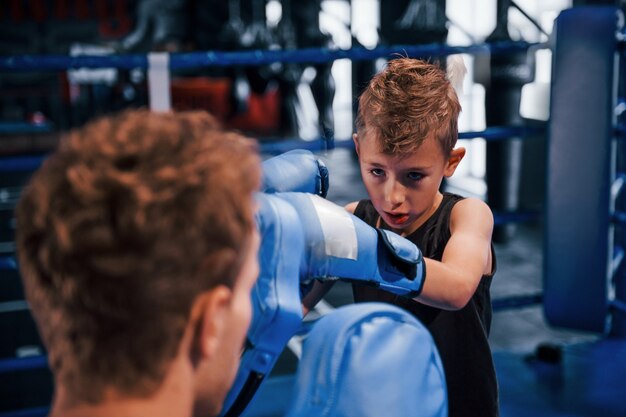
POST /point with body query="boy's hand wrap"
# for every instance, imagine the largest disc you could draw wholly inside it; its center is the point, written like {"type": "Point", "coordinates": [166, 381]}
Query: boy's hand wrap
{"type": "Point", "coordinates": [297, 170]}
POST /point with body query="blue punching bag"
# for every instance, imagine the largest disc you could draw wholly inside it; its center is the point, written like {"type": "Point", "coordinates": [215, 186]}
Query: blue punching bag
{"type": "Point", "coordinates": [581, 168]}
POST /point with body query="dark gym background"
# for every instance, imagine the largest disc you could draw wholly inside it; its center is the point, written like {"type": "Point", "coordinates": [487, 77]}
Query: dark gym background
{"type": "Point", "coordinates": [286, 101]}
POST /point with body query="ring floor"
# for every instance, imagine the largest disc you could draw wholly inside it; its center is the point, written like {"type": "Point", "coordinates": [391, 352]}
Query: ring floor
{"type": "Point", "coordinates": [542, 371]}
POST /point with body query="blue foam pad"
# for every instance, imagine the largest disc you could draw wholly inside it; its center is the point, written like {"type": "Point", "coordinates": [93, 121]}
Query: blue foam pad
{"type": "Point", "coordinates": [369, 359]}
{"type": "Point", "coordinates": [277, 309]}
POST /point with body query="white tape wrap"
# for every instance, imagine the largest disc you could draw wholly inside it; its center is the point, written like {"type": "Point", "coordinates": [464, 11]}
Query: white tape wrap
{"type": "Point", "coordinates": [159, 81]}
{"type": "Point", "coordinates": [338, 229]}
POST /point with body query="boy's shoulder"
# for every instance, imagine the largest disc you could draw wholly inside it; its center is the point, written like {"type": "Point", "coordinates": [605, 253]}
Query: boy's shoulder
{"type": "Point", "coordinates": [351, 207]}
{"type": "Point", "coordinates": [465, 200]}
{"type": "Point", "coordinates": [470, 203]}
{"type": "Point", "coordinates": [471, 209]}
{"type": "Point", "coordinates": [363, 205]}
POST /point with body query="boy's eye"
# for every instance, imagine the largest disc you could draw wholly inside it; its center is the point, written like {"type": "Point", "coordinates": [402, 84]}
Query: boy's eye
{"type": "Point", "coordinates": [415, 176]}
{"type": "Point", "coordinates": [377, 172]}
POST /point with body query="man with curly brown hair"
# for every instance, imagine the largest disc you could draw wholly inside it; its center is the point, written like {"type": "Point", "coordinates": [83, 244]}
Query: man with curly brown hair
{"type": "Point", "coordinates": [138, 250]}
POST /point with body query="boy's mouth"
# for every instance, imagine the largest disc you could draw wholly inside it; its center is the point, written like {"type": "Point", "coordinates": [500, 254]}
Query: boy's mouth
{"type": "Point", "coordinates": [397, 219]}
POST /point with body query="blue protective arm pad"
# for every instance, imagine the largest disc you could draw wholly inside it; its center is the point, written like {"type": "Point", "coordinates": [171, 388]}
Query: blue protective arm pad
{"type": "Point", "coordinates": [340, 245]}
{"type": "Point", "coordinates": [298, 170]}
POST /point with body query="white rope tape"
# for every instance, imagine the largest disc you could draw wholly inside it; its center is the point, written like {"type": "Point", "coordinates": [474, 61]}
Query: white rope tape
{"type": "Point", "coordinates": [159, 82]}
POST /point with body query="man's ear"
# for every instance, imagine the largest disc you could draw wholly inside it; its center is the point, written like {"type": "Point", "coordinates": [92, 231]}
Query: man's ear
{"type": "Point", "coordinates": [355, 139]}
{"type": "Point", "coordinates": [212, 311]}
{"type": "Point", "coordinates": [456, 155]}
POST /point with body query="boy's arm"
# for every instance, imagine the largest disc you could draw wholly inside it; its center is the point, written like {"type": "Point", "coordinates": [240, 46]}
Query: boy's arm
{"type": "Point", "coordinates": [451, 283]}
{"type": "Point", "coordinates": [350, 207]}
{"type": "Point", "coordinates": [317, 292]}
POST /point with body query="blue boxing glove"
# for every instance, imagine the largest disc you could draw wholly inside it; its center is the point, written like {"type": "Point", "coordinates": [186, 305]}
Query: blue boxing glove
{"type": "Point", "coordinates": [340, 245]}
{"type": "Point", "coordinates": [297, 170]}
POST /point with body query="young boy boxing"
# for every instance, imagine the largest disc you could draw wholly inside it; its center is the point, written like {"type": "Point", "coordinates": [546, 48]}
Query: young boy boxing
{"type": "Point", "coordinates": [405, 141]}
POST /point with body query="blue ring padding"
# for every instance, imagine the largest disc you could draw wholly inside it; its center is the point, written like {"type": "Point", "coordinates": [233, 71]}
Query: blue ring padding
{"type": "Point", "coordinates": [23, 364]}
{"type": "Point", "coordinates": [7, 263]}
{"type": "Point", "coordinates": [583, 78]}
{"type": "Point", "coordinates": [27, 412]}
{"type": "Point", "coordinates": [256, 57]}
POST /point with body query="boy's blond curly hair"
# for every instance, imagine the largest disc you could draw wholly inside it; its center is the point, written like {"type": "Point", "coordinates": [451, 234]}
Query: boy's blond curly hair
{"type": "Point", "coordinates": [407, 102]}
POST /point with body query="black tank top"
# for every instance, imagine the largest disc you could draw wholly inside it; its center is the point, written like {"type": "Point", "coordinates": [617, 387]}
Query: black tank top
{"type": "Point", "coordinates": [460, 336]}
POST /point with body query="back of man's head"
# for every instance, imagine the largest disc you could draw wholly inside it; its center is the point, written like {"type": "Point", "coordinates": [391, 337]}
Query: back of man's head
{"type": "Point", "coordinates": [120, 230]}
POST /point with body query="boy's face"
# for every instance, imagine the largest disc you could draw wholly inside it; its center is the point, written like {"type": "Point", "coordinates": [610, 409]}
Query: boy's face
{"type": "Point", "coordinates": [404, 189]}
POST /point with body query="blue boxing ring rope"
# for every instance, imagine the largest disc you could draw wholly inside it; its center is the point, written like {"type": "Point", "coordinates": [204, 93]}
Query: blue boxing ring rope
{"type": "Point", "coordinates": [252, 58]}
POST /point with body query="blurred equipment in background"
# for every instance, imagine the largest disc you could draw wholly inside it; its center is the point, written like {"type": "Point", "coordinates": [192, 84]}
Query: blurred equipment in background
{"type": "Point", "coordinates": [160, 25]}
{"type": "Point", "coordinates": [503, 77]}
{"type": "Point", "coordinates": [402, 22]}
{"type": "Point", "coordinates": [261, 100]}
{"type": "Point", "coordinates": [299, 28]}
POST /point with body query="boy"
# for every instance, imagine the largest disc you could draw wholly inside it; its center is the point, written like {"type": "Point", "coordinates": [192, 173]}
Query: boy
{"type": "Point", "coordinates": [138, 252]}
{"type": "Point", "coordinates": [406, 133]}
